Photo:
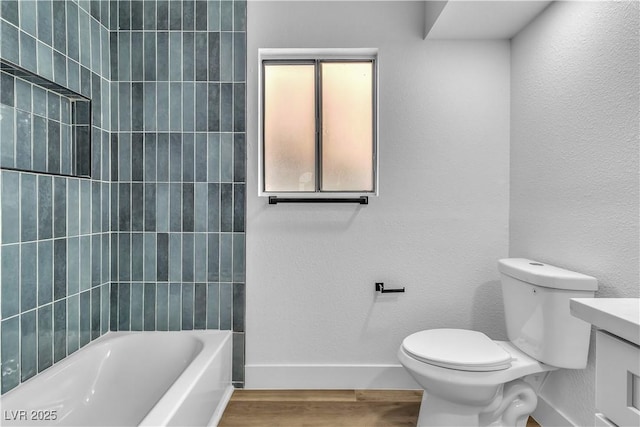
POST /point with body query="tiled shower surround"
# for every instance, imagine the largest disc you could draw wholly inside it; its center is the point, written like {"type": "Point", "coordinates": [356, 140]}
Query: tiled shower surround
{"type": "Point", "coordinates": [155, 239]}
{"type": "Point", "coordinates": [178, 167]}
{"type": "Point", "coordinates": [55, 230]}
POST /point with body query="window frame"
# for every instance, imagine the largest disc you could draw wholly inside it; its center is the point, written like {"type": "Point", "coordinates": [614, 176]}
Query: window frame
{"type": "Point", "coordinates": [316, 57]}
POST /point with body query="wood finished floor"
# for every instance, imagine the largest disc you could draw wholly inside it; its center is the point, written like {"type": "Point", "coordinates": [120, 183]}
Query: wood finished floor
{"type": "Point", "coordinates": [324, 408]}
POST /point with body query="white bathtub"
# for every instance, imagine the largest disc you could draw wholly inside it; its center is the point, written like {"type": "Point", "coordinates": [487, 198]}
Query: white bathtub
{"type": "Point", "coordinates": [128, 379]}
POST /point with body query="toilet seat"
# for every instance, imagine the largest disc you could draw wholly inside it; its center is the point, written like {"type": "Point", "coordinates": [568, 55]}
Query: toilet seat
{"type": "Point", "coordinates": [458, 349]}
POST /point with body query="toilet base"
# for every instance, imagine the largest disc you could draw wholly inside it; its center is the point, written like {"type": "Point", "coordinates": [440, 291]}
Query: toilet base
{"type": "Point", "coordinates": [510, 407]}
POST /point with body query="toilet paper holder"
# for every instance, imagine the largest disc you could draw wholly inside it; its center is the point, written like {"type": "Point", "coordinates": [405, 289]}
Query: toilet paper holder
{"type": "Point", "coordinates": [380, 288]}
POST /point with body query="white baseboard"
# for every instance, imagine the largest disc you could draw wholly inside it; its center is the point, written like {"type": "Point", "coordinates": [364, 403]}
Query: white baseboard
{"type": "Point", "coordinates": [328, 377]}
{"type": "Point", "coordinates": [548, 416]}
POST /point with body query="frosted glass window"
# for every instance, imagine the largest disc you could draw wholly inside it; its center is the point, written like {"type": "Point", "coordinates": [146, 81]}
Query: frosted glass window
{"type": "Point", "coordinates": [318, 126]}
{"type": "Point", "coordinates": [347, 126]}
{"type": "Point", "coordinates": [289, 127]}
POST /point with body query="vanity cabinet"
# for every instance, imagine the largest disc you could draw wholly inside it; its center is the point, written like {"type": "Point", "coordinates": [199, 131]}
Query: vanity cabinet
{"type": "Point", "coordinates": [617, 380]}
{"type": "Point", "coordinates": [617, 357]}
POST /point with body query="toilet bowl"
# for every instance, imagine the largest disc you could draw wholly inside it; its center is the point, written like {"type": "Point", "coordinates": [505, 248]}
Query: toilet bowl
{"type": "Point", "coordinates": [478, 385]}
{"type": "Point", "coordinates": [471, 380]}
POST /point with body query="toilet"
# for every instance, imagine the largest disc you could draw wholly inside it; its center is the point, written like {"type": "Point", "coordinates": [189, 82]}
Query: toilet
{"type": "Point", "coordinates": [471, 380]}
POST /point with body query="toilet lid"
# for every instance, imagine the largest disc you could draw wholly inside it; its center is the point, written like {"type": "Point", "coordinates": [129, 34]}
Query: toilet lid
{"type": "Point", "coordinates": [458, 349]}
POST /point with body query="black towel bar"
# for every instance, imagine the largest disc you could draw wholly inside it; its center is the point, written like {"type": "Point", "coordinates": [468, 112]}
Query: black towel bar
{"type": "Point", "coordinates": [363, 200]}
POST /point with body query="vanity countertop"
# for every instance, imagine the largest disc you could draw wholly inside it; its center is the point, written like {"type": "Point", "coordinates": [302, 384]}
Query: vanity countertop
{"type": "Point", "coordinates": [619, 316]}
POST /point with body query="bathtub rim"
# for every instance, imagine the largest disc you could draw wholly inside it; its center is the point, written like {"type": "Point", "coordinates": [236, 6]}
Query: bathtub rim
{"type": "Point", "coordinates": [208, 350]}
{"type": "Point", "coordinates": [167, 406]}
{"type": "Point", "coordinates": [107, 336]}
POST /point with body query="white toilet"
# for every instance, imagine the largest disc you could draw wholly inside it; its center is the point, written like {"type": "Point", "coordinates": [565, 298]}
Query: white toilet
{"type": "Point", "coordinates": [471, 380]}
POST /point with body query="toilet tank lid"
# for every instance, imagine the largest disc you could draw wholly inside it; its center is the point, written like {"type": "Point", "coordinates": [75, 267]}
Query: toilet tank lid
{"type": "Point", "coordinates": [548, 276]}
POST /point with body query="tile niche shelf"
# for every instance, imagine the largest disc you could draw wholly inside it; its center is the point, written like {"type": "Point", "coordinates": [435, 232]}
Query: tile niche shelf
{"type": "Point", "coordinates": [44, 127]}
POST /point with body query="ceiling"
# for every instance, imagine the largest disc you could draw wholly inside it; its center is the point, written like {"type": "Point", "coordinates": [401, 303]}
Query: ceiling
{"type": "Point", "coordinates": [479, 19]}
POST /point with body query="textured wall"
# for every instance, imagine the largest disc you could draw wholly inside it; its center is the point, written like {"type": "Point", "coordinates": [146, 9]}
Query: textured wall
{"type": "Point", "coordinates": [574, 158]}
{"type": "Point", "coordinates": [438, 226]}
{"type": "Point", "coordinates": [178, 167]}
{"type": "Point", "coordinates": [55, 240]}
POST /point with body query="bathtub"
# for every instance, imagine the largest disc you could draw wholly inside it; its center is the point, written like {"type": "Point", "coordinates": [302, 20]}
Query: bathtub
{"type": "Point", "coordinates": [128, 379]}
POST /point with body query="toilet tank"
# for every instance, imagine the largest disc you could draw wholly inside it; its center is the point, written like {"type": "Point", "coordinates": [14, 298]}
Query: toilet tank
{"type": "Point", "coordinates": [536, 306]}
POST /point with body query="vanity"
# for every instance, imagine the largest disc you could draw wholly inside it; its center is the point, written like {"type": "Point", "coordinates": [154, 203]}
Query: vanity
{"type": "Point", "coordinates": [617, 357]}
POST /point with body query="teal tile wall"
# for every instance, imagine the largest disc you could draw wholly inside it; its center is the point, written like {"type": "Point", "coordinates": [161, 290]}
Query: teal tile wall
{"type": "Point", "coordinates": [155, 240]}
{"type": "Point", "coordinates": [54, 233]}
{"type": "Point", "coordinates": [178, 167]}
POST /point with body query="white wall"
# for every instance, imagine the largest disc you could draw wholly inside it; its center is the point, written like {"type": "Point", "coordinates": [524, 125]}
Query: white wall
{"type": "Point", "coordinates": [438, 226]}
{"type": "Point", "coordinates": [574, 158]}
